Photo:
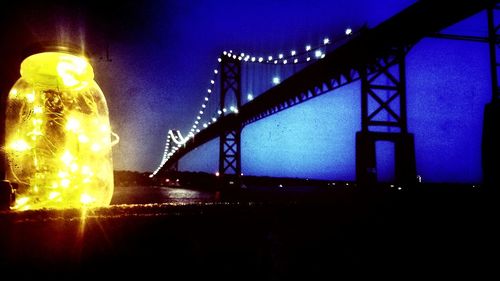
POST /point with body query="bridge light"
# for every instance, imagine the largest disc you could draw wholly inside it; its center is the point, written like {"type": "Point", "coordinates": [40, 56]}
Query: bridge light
{"type": "Point", "coordinates": [253, 59]}
{"type": "Point", "coordinates": [276, 80]}
{"type": "Point", "coordinates": [240, 58]}
{"type": "Point", "coordinates": [219, 59]}
{"type": "Point", "coordinates": [219, 112]}
{"type": "Point", "coordinates": [261, 59]}
{"type": "Point", "coordinates": [293, 52]}
{"type": "Point", "coordinates": [214, 119]}
{"type": "Point", "coordinates": [285, 61]}
{"type": "Point", "coordinates": [323, 56]}
{"type": "Point", "coordinates": [242, 54]}
{"type": "Point", "coordinates": [270, 58]}
{"type": "Point", "coordinates": [280, 56]}
{"type": "Point", "coordinates": [318, 53]}
{"type": "Point", "coordinates": [308, 48]}
{"type": "Point", "coordinates": [196, 122]}
{"type": "Point", "coordinates": [217, 174]}
{"type": "Point", "coordinates": [232, 108]}
{"type": "Point", "coordinates": [224, 110]}
{"type": "Point", "coordinates": [249, 97]}
{"type": "Point", "coordinates": [234, 56]}
{"type": "Point", "coordinates": [203, 106]}
{"type": "Point", "coordinates": [326, 41]}
{"type": "Point", "coordinates": [205, 125]}
{"type": "Point", "coordinates": [197, 130]}
{"type": "Point", "coordinates": [224, 53]}
{"type": "Point", "coordinates": [209, 91]}
{"type": "Point", "coordinates": [295, 60]}
{"type": "Point", "coordinates": [348, 31]}
{"type": "Point", "coordinates": [194, 126]}
{"type": "Point", "coordinates": [198, 117]}
{"type": "Point", "coordinates": [308, 59]}
{"type": "Point", "coordinates": [216, 71]}
{"type": "Point", "coordinates": [206, 98]}
{"type": "Point", "coordinates": [275, 61]}
{"type": "Point", "coordinates": [212, 82]}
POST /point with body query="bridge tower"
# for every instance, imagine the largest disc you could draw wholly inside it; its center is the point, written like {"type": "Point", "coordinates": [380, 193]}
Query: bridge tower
{"type": "Point", "coordinates": [383, 118]}
{"type": "Point", "coordinates": [170, 146]}
{"type": "Point", "coordinates": [491, 138]}
{"type": "Point", "coordinates": [230, 136]}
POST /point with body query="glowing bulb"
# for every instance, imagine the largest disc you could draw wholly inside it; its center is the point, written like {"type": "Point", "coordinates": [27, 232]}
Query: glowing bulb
{"type": "Point", "coordinates": [348, 31]}
{"type": "Point", "coordinates": [37, 109]}
{"type": "Point", "coordinates": [270, 58]}
{"type": "Point", "coordinates": [212, 82]}
{"type": "Point", "coordinates": [293, 53]}
{"type": "Point", "coordinates": [206, 98]}
{"type": "Point", "coordinates": [216, 71]}
{"type": "Point", "coordinates": [261, 59]}
{"type": "Point", "coordinates": [253, 59]}
{"type": "Point", "coordinates": [308, 47]}
{"type": "Point", "coordinates": [318, 53]}
{"type": "Point", "coordinates": [86, 199]}
{"type": "Point", "coordinates": [30, 97]}
{"type": "Point", "coordinates": [285, 61]}
{"type": "Point", "coordinates": [250, 97]}
{"type": "Point", "coordinates": [19, 145]}
{"type": "Point", "coordinates": [326, 41]}
{"type": "Point", "coordinates": [203, 106]}
{"type": "Point", "coordinates": [295, 60]}
{"type": "Point", "coordinates": [209, 91]}
{"type": "Point", "coordinates": [72, 125]}
{"type": "Point", "coordinates": [214, 119]}
{"type": "Point", "coordinates": [276, 80]}
{"type": "Point", "coordinates": [67, 157]}
{"type": "Point", "coordinates": [280, 56]}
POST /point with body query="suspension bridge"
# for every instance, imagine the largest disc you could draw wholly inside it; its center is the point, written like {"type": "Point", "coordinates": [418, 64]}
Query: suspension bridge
{"type": "Point", "coordinates": [375, 57]}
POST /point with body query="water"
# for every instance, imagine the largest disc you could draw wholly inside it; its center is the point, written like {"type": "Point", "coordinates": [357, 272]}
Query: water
{"type": "Point", "coordinates": [160, 194]}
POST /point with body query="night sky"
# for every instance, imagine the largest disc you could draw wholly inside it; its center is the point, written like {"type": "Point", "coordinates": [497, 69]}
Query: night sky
{"type": "Point", "coordinates": [154, 60]}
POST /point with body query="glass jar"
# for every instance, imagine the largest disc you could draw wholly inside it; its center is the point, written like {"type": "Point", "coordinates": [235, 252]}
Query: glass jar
{"type": "Point", "coordinates": [58, 136]}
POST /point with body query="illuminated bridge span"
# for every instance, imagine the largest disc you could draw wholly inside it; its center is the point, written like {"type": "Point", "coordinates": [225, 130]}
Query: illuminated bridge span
{"type": "Point", "coordinates": [375, 56]}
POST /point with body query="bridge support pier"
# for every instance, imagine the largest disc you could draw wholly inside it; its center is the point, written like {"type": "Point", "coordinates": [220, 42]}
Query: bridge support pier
{"type": "Point", "coordinates": [366, 165]}
{"type": "Point", "coordinates": [491, 138]}
{"type": "Point", "coordinates": [383, 118]}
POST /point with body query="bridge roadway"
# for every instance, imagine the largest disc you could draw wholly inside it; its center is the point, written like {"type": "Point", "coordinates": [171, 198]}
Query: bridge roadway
{"type": "Point", "coordinates": [344, 64]}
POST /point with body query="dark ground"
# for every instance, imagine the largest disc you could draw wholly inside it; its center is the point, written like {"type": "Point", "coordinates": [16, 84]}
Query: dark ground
{"type": "Point", "coordinates": [265, 236]}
